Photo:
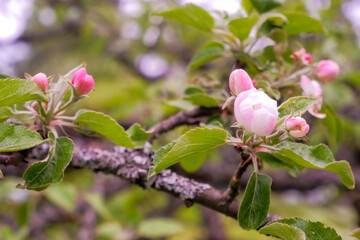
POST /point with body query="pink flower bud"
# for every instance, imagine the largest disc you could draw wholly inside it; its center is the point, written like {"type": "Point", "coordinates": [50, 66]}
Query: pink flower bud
{"type": "Point", "coordinates": [256, 111]}
{"type": "Point", "coordinates": [260, 149]}
{"type": "Point", "coordinates": [327, 70]}
{"type": "Point", "coordinates": [312, 88]}
{"type": "Point", "coordinates": [239, 81]}
{"type": "Point", "coordinates": [297, 127]}
{"type": "Point", "coordinates": [41, 80]}
{"type": "Point", "coordinates": [82, 81]}
{"type": "Point", "coordinates": [303, 56]}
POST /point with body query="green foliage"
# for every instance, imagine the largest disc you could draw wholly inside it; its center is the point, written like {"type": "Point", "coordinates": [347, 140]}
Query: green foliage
{"type": "Point", "coordinates": [159, 228]}
{"type": "Point", "coordinates": [265, 5]}
{"type": "Point", "coordinates": [42, 174]}
{"type": "Point", "coordinates": [256, 201]}
{"type": "Point", "coordinates": [17, 137]}
{"type": "Point", "coordinates": [5, 113]}
{"type": "Point", "coordinates": [189, 145]}
{"type": "Point", "coordinates": [333, 126]}
{"type": "Point", "coordinates": [317, 157]}
{"type": "Point", "coordinates": [15, 90]}
{"type": "Point", "coordinates": [199, 97]}
{"type": "Point", "coordinates": [302, 23]}
{"type": "Point", "coordinates": [283, 231]}
{"type": "Point", "coordinates": [356, 233]}
{"type": "Point", "coordinates": [207, 53]}
{"type": "Point", "coordinates": [138, 135]}
{"type": "Point", "coordinates": [241, 27]}
{"type": "Point", "coordinates": [105, 125]}
{"type": "Point", "coordinates": [292, 167]}
{"type": "Point", "coordinates": [191, 15]}
{"type": "Point", "coordinates": [63, 195]}
{"type": "Point", "coordinates": [194, 162]}
{"type": "Point", "coordinates": [312, 230]}
{"type": "Point", "coordinates": [297, 105]}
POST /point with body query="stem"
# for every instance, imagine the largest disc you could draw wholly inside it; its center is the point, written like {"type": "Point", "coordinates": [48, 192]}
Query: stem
{"type": "Point", "coordinates": [233, 188]}
{"type": "Point", "coordinates": [254, 161]}
{"type": "Point", "coordinates": [292, 78]}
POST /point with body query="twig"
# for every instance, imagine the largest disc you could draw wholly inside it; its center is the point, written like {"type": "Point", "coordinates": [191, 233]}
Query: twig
{"type": "Point", "coordinates": [182, 118]}
{"type": "Point", "coordinates": [233, 189]}
{"type": "Point", "coordinates": [14, 158]}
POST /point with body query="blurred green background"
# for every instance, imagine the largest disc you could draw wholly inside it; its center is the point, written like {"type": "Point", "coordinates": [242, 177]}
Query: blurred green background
{"type": "Point", "coordinates": [139, 63]}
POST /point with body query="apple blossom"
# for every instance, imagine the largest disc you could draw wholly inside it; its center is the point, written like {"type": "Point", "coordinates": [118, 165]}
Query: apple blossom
{"type": "Point", "coordinates": [297, 126]}
{"type": "Point", "coordinates": [239, 81]}
{"type": "Point", "coordinates": [327, 70]}
{"type": "Point", "coordinates": [312, 88]}
{"type": "Point", "coordinates": [303, 56]}
{"type": "Point", "coordinates": [41, 80]}
{"type": "Point", "coordinates": [82, 82]}
{"type": "Point", "coordinates": [256, 111]}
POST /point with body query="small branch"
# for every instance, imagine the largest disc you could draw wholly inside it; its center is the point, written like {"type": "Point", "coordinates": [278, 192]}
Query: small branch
{"type": "Point", "coordinates": [14, 158]}
{"type": "Point", "coordinates": [182, 118]}
{"type": "Point", "coordinates": [234, 185]}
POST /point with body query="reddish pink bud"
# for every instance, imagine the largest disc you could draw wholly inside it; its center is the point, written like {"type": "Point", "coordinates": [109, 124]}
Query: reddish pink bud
{"type": "Point", "coordinates": [41, 80]}
{"type": "Point", "coordinates": [260, 149]}
{"type": "Point", "coordinates": [297, 127]}
{"type": "Point", "coordinates": [82, 82]}
{"type": "Point", "coordinates": [303, 56]}
{"type": "Point", "coordinates": [239, 81]}
{"type": "Point", "coordinates": [327, 70]}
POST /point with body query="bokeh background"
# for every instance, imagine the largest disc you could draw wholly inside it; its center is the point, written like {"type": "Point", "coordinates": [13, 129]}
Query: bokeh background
{"type": "Point", "coordinates": [139, 63]}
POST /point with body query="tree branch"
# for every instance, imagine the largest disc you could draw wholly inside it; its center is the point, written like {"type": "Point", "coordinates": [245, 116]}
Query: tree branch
{"type": "Point", "coordinates": [181, 118]}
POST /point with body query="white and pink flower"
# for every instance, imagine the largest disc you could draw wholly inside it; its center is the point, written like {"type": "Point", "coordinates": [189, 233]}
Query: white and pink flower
{"type": "Point", "coordinates": [303, 56]}
{"type": "Point", "coordinates": [256, 112]}
{"type": "Point", "coordinates": [312, 88]}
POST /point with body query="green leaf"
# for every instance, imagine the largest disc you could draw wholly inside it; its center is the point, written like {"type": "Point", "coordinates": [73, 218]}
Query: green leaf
{"type": "Point", "coordinates": [241, 27]}
{"type": "Point", "coordinates": [159, 228]}
{"type": "Point", "coordinates": [317, 157]}
{"type": "Point", "coordinates": [283, 231]}
{"type": "Point", "coordinates": [333, 127]}
{"type": "Point", "coordinates": [63, 195]}
{"type": "Point", "coordinates": [302, 23]}
{"type": "Point", "coordinates": [312, 230]}
{"type": "Point", "coordinates": [207, 53]}
{"type": "Point", "coordinates": [22, 214]}
{"type": "Point", "coordinates": [5, 113]}
{"type": "Point", "coordinates": [159, 155]}
{"type": "Point", "coordinates": [291, 167]}
{"type": "Point", "coordinates": [97, 201]}
{"type": "Point", "coordinates": [252, 65]}
{"type": "Point", "coordinates": [190, 144]}
{"type": "Point", "coordinates": [138, 135]}
{"type": "Point", "coordinates": [256, 201]}
{"type": "Point", "coordinates": [297, 104]}
{"type": "Point", "coordinates": [15, 90]}
{"type": "Point", "coordinates": [194, 162]}
{"type": "Point", "coordinates": [266, 86]}
{"type": "Point", "coordinates": [265, 5]}
{"type": "Point", "coordinates": [105, 125]}
{"type": "Point", "coordinates": [17, 137]}
{"type": "Point", "coordinates": [42, 174]}
{"type": "Point", "coordinates": [191, 15]}
{"type": "Point", "coordinates": [202, 99]}
{"type": "Point", "coordinates": [356, 233]}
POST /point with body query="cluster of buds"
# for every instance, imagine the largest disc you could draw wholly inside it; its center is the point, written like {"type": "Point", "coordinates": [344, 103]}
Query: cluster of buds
{"type": "Point", "coordinates": [83, 83]}
{"type": "Point", "coordinates": [325, 71]}
{"type": "Point", "coordinates": [258, 113]}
